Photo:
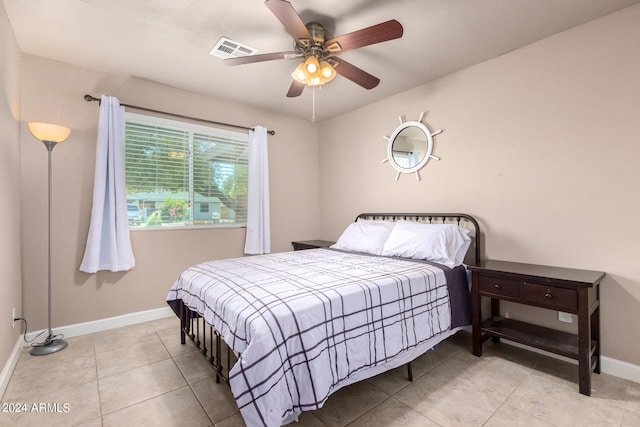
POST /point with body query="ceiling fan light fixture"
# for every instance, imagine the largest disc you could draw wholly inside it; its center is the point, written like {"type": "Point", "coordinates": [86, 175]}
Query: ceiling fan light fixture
{"type": "Point", "coordinates": [312, 66]}
{"type": "Point", "coordinates": [323, 72]}
{"type": "Point", "coordinates": [327, 72]}
{"type": "Point", "coordinates": [300, 75]}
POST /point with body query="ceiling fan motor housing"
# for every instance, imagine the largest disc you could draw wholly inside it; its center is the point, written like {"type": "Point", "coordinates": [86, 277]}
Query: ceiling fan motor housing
{"type": "Point", "coordinates": [316, 45]}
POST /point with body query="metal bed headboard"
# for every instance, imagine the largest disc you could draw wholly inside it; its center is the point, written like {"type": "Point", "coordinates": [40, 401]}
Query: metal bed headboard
{"type": "Point", "coordinates": [432, 218]}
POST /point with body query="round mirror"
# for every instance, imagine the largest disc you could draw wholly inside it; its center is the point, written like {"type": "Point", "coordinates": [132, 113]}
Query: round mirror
{"type": "Point", "coordinates": [410, 147]}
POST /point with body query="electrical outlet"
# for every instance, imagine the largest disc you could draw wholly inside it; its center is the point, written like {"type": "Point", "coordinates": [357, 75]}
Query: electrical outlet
{"type": "Point", "coordinates": [13, 317]}
{"type": "Point", "coordinates": [565, 317]}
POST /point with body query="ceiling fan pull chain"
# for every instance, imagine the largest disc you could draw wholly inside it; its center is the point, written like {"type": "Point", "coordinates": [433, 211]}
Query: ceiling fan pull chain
{"type": "Point", "coordinates": [313, 101]}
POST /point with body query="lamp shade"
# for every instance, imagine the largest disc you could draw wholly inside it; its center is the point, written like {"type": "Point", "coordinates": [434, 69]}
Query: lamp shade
{"type": "Point", "coordinates": [327, 72]}
{"type": "Point", "coordinates": [299, 74]}
{"type": "Point", "coordinates": [49, 132]}
{"type": "Point", "coordinates": [312, 67]}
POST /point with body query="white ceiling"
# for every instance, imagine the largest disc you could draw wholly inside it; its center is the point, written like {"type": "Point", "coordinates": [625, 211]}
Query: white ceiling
{"type": "Point", "coordinates": [168, 41]}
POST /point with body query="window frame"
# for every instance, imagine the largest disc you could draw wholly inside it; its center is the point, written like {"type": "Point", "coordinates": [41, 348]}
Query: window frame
{"type": "Point", "coordinates": [191, 128]}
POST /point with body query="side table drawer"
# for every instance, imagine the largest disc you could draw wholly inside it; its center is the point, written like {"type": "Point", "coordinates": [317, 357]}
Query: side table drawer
{"type": "Point", "coordinates": [550, 297]}
{"type": "Point", "coordinates": [499, 287]}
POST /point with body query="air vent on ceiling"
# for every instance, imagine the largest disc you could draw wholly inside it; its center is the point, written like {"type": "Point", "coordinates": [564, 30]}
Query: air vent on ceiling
{"type": "Point", "coordinates": [227, 48]}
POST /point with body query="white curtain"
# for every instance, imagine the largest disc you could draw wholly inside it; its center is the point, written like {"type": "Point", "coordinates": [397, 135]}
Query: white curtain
{"type": "Point", "coordinates": [258, 240]}
{"type": "Point", "coordinates": [108, 243]}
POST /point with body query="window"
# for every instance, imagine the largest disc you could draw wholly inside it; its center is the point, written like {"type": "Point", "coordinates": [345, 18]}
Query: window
{"type": "Point", "coordinates": [182, 174]}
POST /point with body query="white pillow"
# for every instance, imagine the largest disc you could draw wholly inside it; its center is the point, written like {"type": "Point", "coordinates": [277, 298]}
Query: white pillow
{"type": "Point", "coordinates": [365, 236]}
{"type": "Point", "coordinates": [442, 243]}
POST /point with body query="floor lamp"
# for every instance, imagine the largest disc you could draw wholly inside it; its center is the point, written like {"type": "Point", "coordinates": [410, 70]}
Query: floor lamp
{"type": "Point", "coordinates": [50, 135]}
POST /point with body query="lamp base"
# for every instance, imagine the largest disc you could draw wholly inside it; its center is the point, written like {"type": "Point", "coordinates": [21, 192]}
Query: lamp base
{"type": "Point", "coordinates": [48, 347]}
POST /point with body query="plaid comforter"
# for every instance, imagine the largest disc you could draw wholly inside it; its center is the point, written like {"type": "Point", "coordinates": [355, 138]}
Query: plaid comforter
{"type": "Point", "coordinates": [307, 323]}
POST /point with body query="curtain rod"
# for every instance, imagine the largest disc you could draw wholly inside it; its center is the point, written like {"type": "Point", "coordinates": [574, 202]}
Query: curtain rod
{"type": "Point", "coordinates": [90, 98]}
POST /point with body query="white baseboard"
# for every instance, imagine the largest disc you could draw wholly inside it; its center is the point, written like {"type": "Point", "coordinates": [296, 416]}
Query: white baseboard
{"type": "Point", "coordinates": [619, 368]}
{"type": "Point", "coordinates": [108, 323]}
{"type": "Point", "coordinates": [10, 365]}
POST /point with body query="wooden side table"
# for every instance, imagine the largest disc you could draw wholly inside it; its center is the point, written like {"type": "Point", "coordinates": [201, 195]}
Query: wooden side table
{"type": "Point", "coordinates": [561, 289]}
{"type": "Point", "coordinates": [311, 244]}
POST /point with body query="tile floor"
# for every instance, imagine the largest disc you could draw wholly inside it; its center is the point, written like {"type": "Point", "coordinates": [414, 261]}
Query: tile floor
{"type": "Point", "coordinates": [141, 376]}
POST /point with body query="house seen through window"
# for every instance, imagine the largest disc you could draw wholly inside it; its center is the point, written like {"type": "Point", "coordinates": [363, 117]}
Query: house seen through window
{"type": "Point", "coordinates": [181, 174]}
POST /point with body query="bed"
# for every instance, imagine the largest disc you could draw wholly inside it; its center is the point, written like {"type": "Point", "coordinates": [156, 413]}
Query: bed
{"type": "Point", "coordinates": [286, 330]}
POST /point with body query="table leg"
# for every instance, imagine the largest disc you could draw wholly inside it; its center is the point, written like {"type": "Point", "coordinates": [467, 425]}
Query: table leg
{"type": "Point", "coordinates": [595, 328]}
{"type": "Point", "coordinates": [476, 315]}
{"type": "Point", "coordinates": [584, 343]}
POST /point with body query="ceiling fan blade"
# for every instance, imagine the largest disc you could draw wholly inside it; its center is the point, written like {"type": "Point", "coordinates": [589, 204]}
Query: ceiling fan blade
{"type": "Point", "coordinates": [284, 11]}
{"type": "Point", "coordinates": [355, 74]}
{"type": "Point", "coordinates": [260, 58]}
{"type": "Point", "coordinates": [295, 89]}
{"type": "Point", "coordinates": [379, 33]}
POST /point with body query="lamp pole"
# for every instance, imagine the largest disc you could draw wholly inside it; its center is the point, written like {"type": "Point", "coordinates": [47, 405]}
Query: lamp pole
{"type": "Point", "coordinates": [50, 344]}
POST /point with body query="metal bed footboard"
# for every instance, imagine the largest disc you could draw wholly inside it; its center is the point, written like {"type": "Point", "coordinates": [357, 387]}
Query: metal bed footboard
{"type": "Point", "coordinates": [210, 343]}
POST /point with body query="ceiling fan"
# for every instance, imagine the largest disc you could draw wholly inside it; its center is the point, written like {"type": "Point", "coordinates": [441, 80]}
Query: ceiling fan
{"type": "Point", "coordinates": [318, 48]}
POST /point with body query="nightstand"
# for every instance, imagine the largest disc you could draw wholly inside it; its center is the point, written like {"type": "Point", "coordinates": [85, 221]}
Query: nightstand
{"type": "Point", "coordinates": [311, 244]}
{"type": "Point", "coordinates": [554, 288]}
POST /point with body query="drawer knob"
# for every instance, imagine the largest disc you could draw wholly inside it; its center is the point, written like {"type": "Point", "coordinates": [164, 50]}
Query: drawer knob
{"type": "Point", "coordinates": [497, 286]}
{"type": "Point", "coordinates": [548, 294]}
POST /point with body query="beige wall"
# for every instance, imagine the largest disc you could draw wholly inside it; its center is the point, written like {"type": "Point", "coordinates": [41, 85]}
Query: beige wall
{"type": "Point", "coordinates": [541, 145]}
{"type": "Point", "coordinates": [10, 257]}
{"type": "Point", "coordinates": [53, 92]}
